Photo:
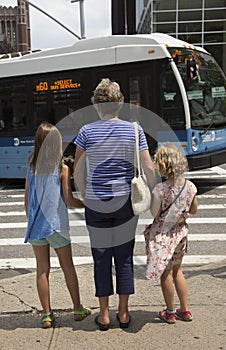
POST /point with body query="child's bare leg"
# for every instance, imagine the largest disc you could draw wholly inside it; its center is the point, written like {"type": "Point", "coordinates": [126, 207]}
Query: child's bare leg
{"type": "Point", "coordinates": [42, 255]}
{"type": "Point", "coordinates": [65, 258]}
{"type": "Point", "coordinates": [168, 289]}
{"type": "Point", "coordinates": [181, 287]}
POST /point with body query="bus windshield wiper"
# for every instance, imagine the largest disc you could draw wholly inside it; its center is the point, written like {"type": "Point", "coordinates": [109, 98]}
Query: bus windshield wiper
{"type": "Point", "coordinates": [209, 126]}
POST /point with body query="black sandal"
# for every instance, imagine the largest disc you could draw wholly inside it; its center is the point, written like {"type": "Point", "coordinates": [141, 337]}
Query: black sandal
{"type": "Point", "coordinates": [102, 327]}
{"type": "Point", "coordinates": [123, 325]}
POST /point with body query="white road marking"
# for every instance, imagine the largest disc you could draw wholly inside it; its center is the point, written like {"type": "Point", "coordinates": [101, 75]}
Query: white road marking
{"type": "Point", "coordinates": [139, 238]}
{"type": "Point", "coordinates": [9, 204]}
{"type": "Point", "coordinates": [22, 213]}
{"type": "Point", "coordinates": [30, 263]}
{"type": "Point", "coordinates": [199, 196]}
{"type": "Point", "coordinates": [81, 223]}
{"type": "Point", "coordinates": [219, 170]}
{"type": "Point", "coordinates": [76, 211]}
{"type": "Point", "coordinates": [188, 259]}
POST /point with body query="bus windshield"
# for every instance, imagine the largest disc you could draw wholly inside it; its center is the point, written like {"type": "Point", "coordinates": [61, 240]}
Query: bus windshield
{"type": "Point", "coordinates": [205, 87]}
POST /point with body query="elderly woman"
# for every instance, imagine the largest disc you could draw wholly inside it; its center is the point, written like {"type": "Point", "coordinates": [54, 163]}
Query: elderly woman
{"type": "Point", "coordinates": [109, 145]}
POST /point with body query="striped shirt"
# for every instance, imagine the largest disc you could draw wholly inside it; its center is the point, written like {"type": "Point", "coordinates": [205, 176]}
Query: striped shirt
{"type": "Point", "coordinates": [109, 146]}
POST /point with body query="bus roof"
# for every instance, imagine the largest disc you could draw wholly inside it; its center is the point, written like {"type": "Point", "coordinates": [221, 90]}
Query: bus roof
{"type": "Point", "coordinates": [84, 53]}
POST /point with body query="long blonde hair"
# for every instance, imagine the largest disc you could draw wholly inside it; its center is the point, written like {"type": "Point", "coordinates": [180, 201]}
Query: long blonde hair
{"type": "Point", "coordinates": [47, 154]}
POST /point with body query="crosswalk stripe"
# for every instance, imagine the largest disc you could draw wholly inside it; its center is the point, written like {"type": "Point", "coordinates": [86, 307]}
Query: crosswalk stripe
{"type": "Point", "coordinates": [210, 176]}
{"type": "Point", "coordinates": [22, 212]}
{"type": "Point", "coordinates": [75, 211]}
{"type": "Point", "coordinates": [219, 170]}
{"type": "Point", "coordinates": [9, 204]}
{"type": "Point", "coordinates": [139, 238]}
{"type": "Point", "coordinates": [187, 259]}
{"type": "Point", "coordinates": [81, 223]}
{"type": "Point", "coordinates": [30, 263]}
{"type": "Point", "coordinates": [200, 196]}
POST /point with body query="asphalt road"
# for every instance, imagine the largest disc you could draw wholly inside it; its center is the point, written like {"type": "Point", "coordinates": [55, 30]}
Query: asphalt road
{"type": "Point", "coordinates": [207, 229]}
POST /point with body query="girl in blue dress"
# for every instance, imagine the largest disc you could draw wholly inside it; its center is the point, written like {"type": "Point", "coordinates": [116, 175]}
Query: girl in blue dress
{"type": "Point", "coordinates": [47, 195]}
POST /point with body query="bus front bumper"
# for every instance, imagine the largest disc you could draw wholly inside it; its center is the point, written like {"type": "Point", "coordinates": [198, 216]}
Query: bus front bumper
{"type": "Point", "coordinates": [207, 160]}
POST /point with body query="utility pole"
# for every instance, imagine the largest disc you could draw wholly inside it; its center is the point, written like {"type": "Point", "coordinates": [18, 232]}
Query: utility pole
{"type": "Point", "coordinates": [54, 19]}
{"type": "Point", "coordinates": [82, 17]}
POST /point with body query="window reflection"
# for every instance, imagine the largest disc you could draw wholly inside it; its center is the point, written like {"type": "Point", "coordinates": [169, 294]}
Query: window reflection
{"type": "Point", "coordinates": [205, 88]}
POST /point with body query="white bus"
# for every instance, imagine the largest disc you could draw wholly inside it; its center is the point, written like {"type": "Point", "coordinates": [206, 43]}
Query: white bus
{"type": "Point", "coordinates": [180, 83]}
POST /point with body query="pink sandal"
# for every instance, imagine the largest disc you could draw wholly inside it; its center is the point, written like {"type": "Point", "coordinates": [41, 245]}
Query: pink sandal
{"type": "Point", "coordinates": [184, 315]}
{"type": "Point", "coordinates": [168, 317]}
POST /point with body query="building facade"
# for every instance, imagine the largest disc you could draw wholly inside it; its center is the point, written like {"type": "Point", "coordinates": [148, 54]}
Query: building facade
{"type": "Point", "coordinates": [15, 28]}
{"type": "Point", "coordinates": [199, 22]}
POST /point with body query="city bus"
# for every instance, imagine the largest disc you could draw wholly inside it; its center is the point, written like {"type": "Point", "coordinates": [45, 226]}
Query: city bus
{"type": "Point", "coordinates": [162, 78]}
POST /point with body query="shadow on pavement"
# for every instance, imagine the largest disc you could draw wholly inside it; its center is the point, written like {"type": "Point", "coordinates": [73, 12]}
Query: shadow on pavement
{"type": "Point", "coordinates": [139, 318]}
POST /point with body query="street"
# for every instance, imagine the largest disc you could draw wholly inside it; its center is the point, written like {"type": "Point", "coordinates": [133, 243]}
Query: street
{"type": "Point", "coordinates": [204, 268]}
{"type": "Point", "coordinates": [207, 229]}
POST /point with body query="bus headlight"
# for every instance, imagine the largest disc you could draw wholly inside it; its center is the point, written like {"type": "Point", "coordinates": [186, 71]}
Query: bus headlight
{"type": "Point", "coordinates": [194, 144]}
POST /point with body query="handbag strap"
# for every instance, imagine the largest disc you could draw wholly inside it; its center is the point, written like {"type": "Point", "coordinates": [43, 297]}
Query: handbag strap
{"type": "Point", "coordinates": [137, 169]}
{"type": "Point", "coordinates": [175, 198]}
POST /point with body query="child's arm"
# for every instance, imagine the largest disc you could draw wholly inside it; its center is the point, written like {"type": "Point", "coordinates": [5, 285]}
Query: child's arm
{"type": "Point", "coordinates": [66, 187]}
{"type": "Point", "coordinates": [155, 205]}
{"type": "Point", "coordinates": [194, 206]}
{"type": "Point", "coordinates": [26, 196]}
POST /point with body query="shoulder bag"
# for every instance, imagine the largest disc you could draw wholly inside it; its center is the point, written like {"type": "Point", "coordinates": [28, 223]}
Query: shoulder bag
{"type": "Point", "coordinates": [140, 192]}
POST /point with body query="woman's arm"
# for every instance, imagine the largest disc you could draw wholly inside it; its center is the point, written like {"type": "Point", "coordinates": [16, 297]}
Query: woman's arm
{"type": "Point", "coordinates": [194, 206]}
{"type": "Point", "coordinates": [148, 167]}
{"type": "Point", "coordinates": [26, 196]}
{"type": "Point", "coordinates": [79, 170]}
{"type": "Point", "coordinates": [69, 199]}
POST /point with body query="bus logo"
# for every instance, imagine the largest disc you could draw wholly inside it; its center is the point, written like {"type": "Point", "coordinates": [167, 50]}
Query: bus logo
{"type": "Point", "coordinates": [16, 141]}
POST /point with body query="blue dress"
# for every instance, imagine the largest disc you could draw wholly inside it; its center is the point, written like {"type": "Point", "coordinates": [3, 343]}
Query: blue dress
{"type": "Point", "coordinates": [47, 211]}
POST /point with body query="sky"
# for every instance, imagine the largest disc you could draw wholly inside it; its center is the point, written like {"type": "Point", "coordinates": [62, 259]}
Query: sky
{"type": "Point", "coordinates": [45, 33]}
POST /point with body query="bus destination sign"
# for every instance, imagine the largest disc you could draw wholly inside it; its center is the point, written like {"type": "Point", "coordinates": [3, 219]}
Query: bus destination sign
{"type": "Point", "coordinates": [64, 84]}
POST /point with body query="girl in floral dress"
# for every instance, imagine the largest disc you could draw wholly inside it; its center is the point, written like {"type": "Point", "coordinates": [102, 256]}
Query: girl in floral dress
{"type": "Point", "coordinates": [166, 238]}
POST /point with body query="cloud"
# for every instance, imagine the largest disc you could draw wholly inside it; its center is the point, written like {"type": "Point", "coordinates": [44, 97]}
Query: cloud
{"type": "Point", "coordinates": [45, 33]}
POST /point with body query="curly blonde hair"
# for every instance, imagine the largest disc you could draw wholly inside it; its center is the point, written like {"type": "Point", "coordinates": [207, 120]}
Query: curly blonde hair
{"type": "Point", "coordinates": [108, 96]}
{"type": "Point", "coordinates": [170, 161]}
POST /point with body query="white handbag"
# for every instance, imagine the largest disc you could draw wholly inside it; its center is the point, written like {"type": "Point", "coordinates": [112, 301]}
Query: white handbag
{"type": "Point", "coordinates": [140, 192]}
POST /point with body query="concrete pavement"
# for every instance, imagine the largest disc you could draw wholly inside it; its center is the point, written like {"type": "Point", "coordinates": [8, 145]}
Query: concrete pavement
{"type": "Point", "coordinates": [20, 314]}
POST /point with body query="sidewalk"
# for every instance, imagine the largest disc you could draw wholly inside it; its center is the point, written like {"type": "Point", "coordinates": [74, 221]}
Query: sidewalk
{"type": "Point", "coordinates": [20, 320]}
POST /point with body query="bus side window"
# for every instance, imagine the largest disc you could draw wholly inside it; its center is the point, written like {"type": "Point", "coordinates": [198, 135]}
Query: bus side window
{"type": "Point", "coordinates": [172, 104]}
{"type": "Point", "coordinates": [13, 105]}
{"type": "Point", "coordinates": [7, 114]}
{"type": "Point", "coordinates": [2, 123]}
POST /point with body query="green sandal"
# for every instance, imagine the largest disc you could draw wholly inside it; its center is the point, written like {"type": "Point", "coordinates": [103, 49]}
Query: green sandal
{"type": "Point", "coordinates": [48, 320]}
{"type": "Point", "coordinates": [82, 313]}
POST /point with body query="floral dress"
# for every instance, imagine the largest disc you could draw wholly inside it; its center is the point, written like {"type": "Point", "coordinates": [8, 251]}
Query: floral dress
{"type": "Point", "coordinates": [169, 229]}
